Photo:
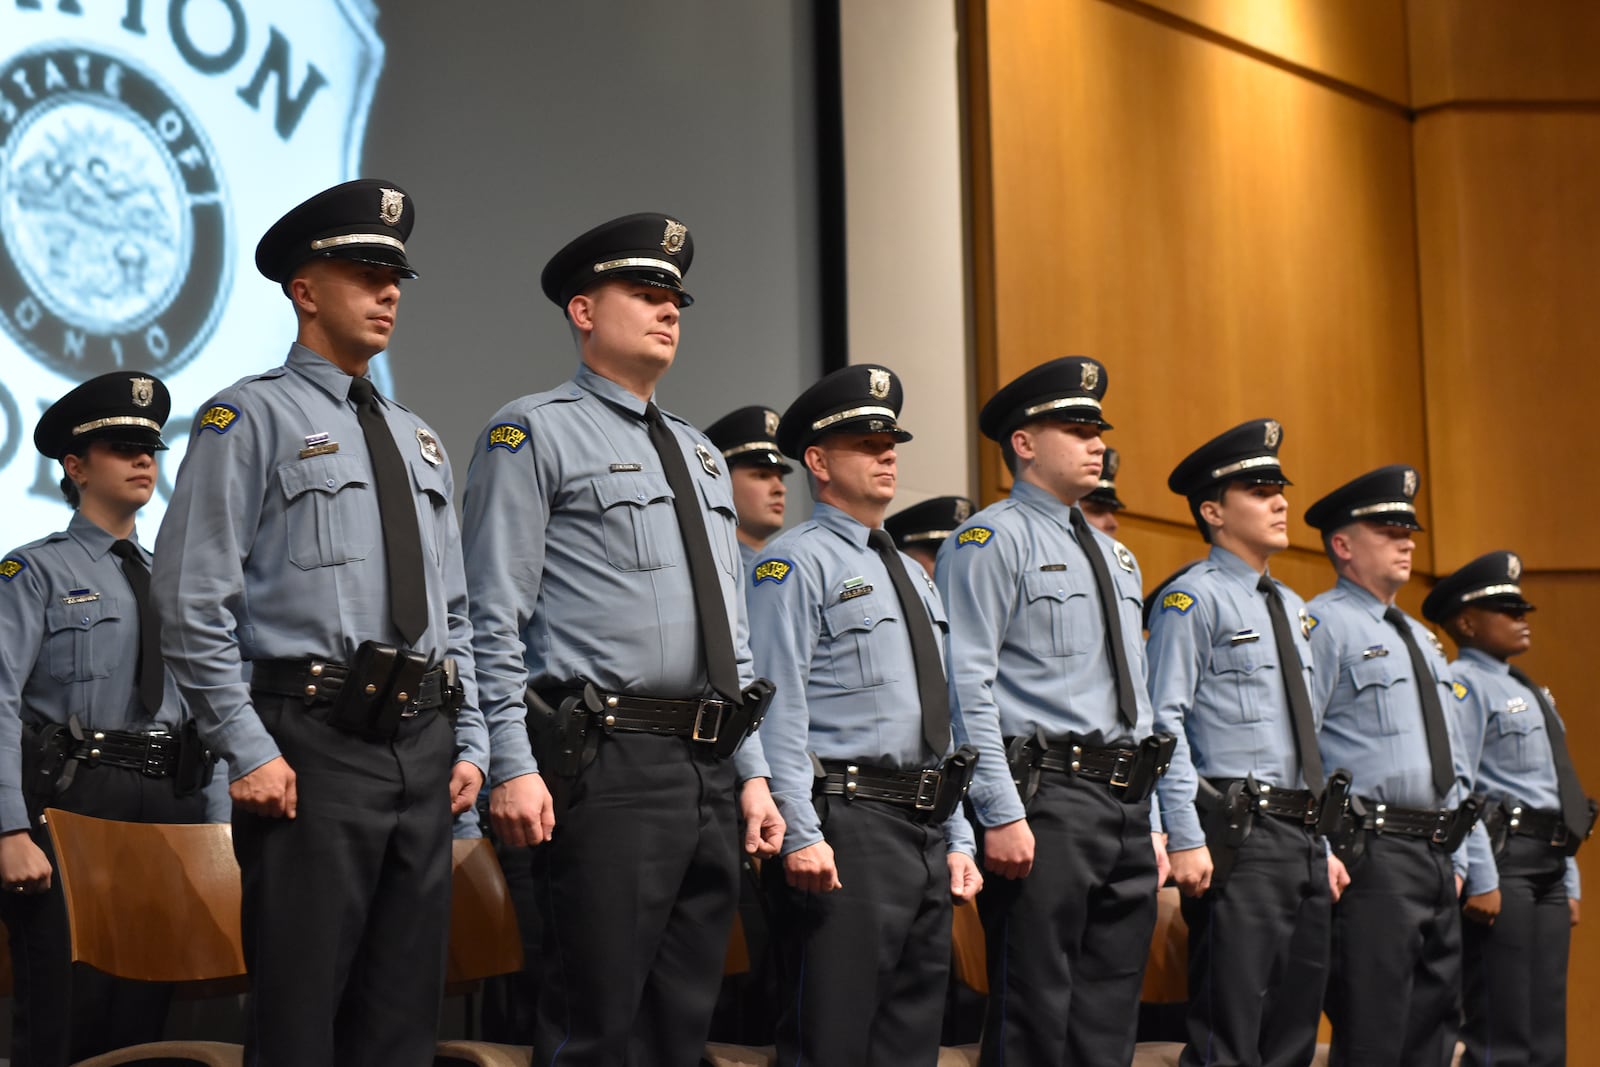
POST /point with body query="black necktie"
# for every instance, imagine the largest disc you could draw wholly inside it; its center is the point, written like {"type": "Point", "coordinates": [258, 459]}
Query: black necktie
{"type": "Point", "coordinates": [1294, 684]}
{"type": "Point", "coordinates": [1432, 713]}
{"type": "Point", "coordinates": [1127, 701]}
{"type": "Point", "coordinates": [148, 674]}
{"type": "Point", "coordinates": [932, 689]}
{"type": "Point", "coordinates": [1574, 806]}
{"type": "Point", "coordinates": [402, 541]}
{"type": "Point", "coordinates": [722, 670]}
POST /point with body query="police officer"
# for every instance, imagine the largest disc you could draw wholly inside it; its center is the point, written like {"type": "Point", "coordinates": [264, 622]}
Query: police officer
{"type": "Point", "coordinates": [1048, 676]}
{"type": "Point", "coordinates": [83, 693]}
{"type": "Point", "coordinates": [1230, 679]}
{"type": "Point", "coordinates": [1380, 677]}
{"type": "Point", "coordinates": [604, 579]}
{"type": "Point", "coordinates": [1516, 942]}
{"type": "Point", "coordinates": [1101, 506]}
{"type": "Point", "coordinates": [756, 470]}
{"type": "Point", "coordinates": [851, 633]}
{"type": "Point", "coordinates": [919, 530]}
{"type": "Point", "coordinates": [314, 612]}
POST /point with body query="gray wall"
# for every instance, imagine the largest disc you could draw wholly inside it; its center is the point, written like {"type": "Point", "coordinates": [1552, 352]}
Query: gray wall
{"type": "Point", "coordinates": [518, 125]}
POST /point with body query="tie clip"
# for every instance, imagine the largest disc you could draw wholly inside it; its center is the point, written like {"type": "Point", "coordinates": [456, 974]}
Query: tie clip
{"type": "Point", "coordinates": [1374, 652]}
{"type": "Point", "coordinates": [1244, 637]}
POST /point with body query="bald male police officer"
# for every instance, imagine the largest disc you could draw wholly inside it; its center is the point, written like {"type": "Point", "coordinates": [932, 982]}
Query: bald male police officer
{"type": "Point", "coordinates": [851, 632]}
{"type": "Point", "coordinates": [89, 720]}
{"type": "Point", "coordinates": [756, 470]}
{"type": "Point", "coordinates": [1230, 672]}
{"type": "Point", "coordinates": [314, 615]}
{"type": "Point", "coordinates": [1047, 671]}
{"type": "Point", "coordinates": [919, 530]}
{"type": "Point", "coordinates": [605, 592]}
{"type": "Point", "coordinates": [1517, 937]}
{"type": "Point", "coordinates": [1380, 678]}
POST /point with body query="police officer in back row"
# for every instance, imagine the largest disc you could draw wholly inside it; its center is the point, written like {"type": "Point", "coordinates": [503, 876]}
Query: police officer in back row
{"type": "Point", "coordinates": [919, 530]}
{"type": "Point", "coordinates": [1517, 937]}
{"type": "Point", "coordinates": [851, 633]}
{"type": "Point", "coordinates": [1101, 506]}
{"type": "Point", "coordinates": [756, 470]}
{"type": "Point", "coordinates": [604, 576]}
{"type": "Point", "coordinates": [1047, 674]}
{"type": "Point", "coordinates": [314, 613]}
{"type": "Point", "coordinates": [1381, 679]}
{"type": "Point", "coordinates": [1230, 662]}
{"type": "Point", "coordinates": [83, 694]}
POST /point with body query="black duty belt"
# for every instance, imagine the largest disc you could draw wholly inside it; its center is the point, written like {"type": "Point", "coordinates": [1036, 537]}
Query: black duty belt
{"type": "Point", "coordinates": [698, 720]}
{"type": "Point", "coordinates": [1110, 765]}
{"type": "Point", "coordinates": [1432, 824]}
{"type": "Point", "coordinates": [1296, 805]}
{"type": "Point", "coordinates": [314, 680]}
{"type": "Point", "coordinates": [917, 789]}
{"type": "Point", "coordinates": [1544, 826]}
{"type": "Point", "coordinates": [153, 755]}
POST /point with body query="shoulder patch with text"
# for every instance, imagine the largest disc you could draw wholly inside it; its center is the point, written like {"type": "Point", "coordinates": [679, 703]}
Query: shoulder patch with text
{"type": "Point", "coordinates": [219, 418]}
{"type": "Point", "coordinates": [1461, 690]}
{"type": "Point", "coordinates": [973, 535]}
{"type": "Point", "coordinates": [1312, 622]}
{"type": "Point", "coordinates": [771, 570]}
{"type": "Point", "coordinates": [507, 435]}
{"type": "Point", "coordinates": [10, 567]}
{"type": "Point", "coordinates": [1178, 601]}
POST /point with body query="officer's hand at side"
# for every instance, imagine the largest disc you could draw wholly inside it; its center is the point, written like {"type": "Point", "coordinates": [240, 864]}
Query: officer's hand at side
{"type": "Point", "coordinates": [465, 781]}
{"type": "Point", "coordinates": [24, 866]}
{"type": "Point", "coordinates": [521, 811]}
{"type": "Point", "coordinates": [811, 869]}
{"type": "Point", "coordinates": [1460, 881]}
{"type": "Point", "coordinates": [763, 826]}
{"type": "Point", "coordinates": [1191, 869]}
{"type": "Point", "coordinates": [1163, 863]}
{"type": "Point", "coordinates": [268, 790]}
{"type": "Point", "coordinates": [965, 878]}
{"type": "Point", "coordinates": [1482, 907]}
{"type": "Point", "coordinates": [1338, 877]}
{"type": "Point", "coordinates": [1008, 849]}
{"type": "Point", "coordinates": [1572, 908]}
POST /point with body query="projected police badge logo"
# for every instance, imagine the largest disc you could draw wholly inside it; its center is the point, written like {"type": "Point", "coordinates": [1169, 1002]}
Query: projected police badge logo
{"type": "Point", "coordinates": [115, 245]}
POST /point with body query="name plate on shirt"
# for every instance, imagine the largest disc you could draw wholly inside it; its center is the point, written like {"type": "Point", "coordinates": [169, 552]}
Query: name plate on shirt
{"type": "Point", "coordinates": [1054, 567]}
{"type": "Point", "coordinates": [1516, 704]}
{"type": "Point", "coordinates": [625, 468]}
{"type": "Point", "coordinates": [79, 596]}
{"type": "Point", "coordinates": [1244, 637]}
{"type": "Point", "coordinates": [1374, 652]}
{"type": "Point", "coordinates": [318, 444]}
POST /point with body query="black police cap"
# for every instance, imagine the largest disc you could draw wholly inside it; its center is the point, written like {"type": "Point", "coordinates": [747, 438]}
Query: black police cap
{"type": "Point", "coordinates": [1385, 496]}
{"type": "Point", "coordinates": [1492, 580]}
{"type": "Point", "coordinates": [1105, 492]}
{"type": "Point", "coordinates": [648, 247]}
{"type": "Point", "coordinates": [123, 407]}
{"type": "Point", "coordinates": [1247, 453]}
{"type": "Point", "coordinates": [864, 398]}
{"type": "Point", "coordinates": [929, 522]}
{"type": "Point", "coordinates": [1068, 389]}
{"type": "Point", "coordinates": [749, 436]}
{"type": "Point", "coordinates": [367, 220]}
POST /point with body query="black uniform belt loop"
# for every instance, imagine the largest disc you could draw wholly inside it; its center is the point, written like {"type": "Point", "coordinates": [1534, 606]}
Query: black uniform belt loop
{"type": "Point", "coordinates": [698, 719]}
{"type": "Point", "coordinates": [154, 755]}
{"type": "Point", "coordinates": [1296, 805]}
{"type": "Point", "coordinates": [314, 680]}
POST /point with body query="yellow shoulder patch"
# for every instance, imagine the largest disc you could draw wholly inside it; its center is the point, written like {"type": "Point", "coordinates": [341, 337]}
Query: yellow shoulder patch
{"type": "Point", "coordinates": [1177, 601]}
{"type": "Point", "coordinates": [973, 535]}
{"type": "Point", "coordinates": [219, 418]}
{"type": "Point", "coordinates": [10, 568]}
{"type": "Point", "coordinates": [1460, 690]}
{"type": "Point", "coordinates": [771, 570]}
{"type": "Point", "coordinates": [507, 435]}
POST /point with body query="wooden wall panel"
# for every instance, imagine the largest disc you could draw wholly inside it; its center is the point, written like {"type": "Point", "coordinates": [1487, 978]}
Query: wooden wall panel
{"type": "Point", "coordinates": [1231, 240]}
{"type": "Point", "coordinates": [1500, 50]}
{"type": "Point", "coordinates": [1360, 42]}
{"type": "Point", "coordinates": [1509, 238]}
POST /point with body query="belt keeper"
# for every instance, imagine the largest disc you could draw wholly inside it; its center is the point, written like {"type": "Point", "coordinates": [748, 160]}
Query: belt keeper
{"type": "Point", "coordinates": [851, 783]}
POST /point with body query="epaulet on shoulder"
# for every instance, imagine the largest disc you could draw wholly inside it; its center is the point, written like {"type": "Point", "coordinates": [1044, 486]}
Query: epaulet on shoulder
{"type": "Point", "coordinates": [559, 395]}
{"type": "Point", "coordinates": [264, 376]}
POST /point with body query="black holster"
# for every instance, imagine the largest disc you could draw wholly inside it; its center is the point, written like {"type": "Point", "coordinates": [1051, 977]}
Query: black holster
{"type": "Point", "coordinates": [564, 739]}
{"type": "Point", "coordinates": [1154, 756]}
{"type": "Point", "coordinates": [742, 721]}
{"type": "Point", "coordinates": [196, 765]}
{"type": "Point", "coordinates": [1228, 818]}
{"type": "Point", "coordinates": [1025, 758]}
{"type": "Point", "coordinates": [955, 777]}
{"type": "Point", "coordinates": [1349, 837]}
{"type": "Point", "coordinates": [47, 771]}
{"type": "Point", "coordinates": [1335, 803]}
{"type": "Point", "coordinates": [367, 703]}
{"type": "Point", "coordinates": [1497, 823]}
{"type": "Point", "coordinates": [1461, 823]}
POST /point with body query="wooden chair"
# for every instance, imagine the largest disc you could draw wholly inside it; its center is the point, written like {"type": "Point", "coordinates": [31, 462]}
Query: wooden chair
{"type": "Point", "coordinates": [155, 903]}
{"type": "Point", "coordinates": [1166, 971]}
{"type": "Point", "coordinates": [484, 943]}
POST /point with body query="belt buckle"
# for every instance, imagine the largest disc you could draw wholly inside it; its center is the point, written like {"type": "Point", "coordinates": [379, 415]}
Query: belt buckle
{"type": "Point", "coordinates": [1121, 769]}
{"type": "Point", "coordinates": [699, 721]}
{"type": "Point", "coordinates": [928, 790]}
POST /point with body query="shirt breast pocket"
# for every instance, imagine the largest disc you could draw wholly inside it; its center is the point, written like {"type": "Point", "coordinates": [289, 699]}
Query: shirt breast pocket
{"type": "Point", "coordinates": [859, 652]}
{"type": "Point", "coordinates": [1054, 606]}
{"type": "Point", "coordinates": [1241, 675]}
{"type": "Point", "coordinates": [1378, 700]}
{"type": "Point", "coordinates": [637, 520]}
{"type": "Point", "coordinates": [1520, 743]}
{"type": "Point", "coordinates": [326, 499]}
{"type": "Point", "coordinates": [721, 522]}
{"type": "Point", "coordinates": [82, 641]}
{"type": "Point", "coordinates": [431, 491]}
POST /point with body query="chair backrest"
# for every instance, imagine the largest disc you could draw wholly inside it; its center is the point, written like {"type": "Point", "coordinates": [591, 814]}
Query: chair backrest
{"type": "Point", "coordinates": [968, 954]}
{"type": "Point", "coordinates": [151, 901]}
{"type": "Point", "coordinates": [1166, 972]}
{"type": "Point", "coordinates": [484, 939]}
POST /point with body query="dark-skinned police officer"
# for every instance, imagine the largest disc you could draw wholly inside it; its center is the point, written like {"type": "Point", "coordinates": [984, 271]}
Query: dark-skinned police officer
{"type": "Point", "coordinates": [1517, 937]}
{"type": "Point", "coordinates": [83, 695]}
{"type": "Point", "coordinates": [609, 624]}
{"type": "Point", "coordinates": [851, 632]}
{"type": "Point", "coordinates": [1230, 660]}
{"type": "Point", "coordinates": [314, 615]}
{"type": "Point", "coordinates": [1380, 679]}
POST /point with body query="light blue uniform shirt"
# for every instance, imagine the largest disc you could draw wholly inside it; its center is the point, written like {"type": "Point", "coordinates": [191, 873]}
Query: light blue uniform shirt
{"type": "Point", "coordinates": [1503, 732]}
{"type": "Point", "coordinates": [1371, 713]}
{"type": "Point", "coordinates": [576, 565]}
{"type": "Point", "coordinates": [1218, 687]}
{"type": "Point", "coordinates": [269, 553]}
{"type": "Point", "coordinates": [1027, 641]}
{"type": "Point", "coordinates": [747, 560]}
{"type": "Point", "coordinates": [826, 626]}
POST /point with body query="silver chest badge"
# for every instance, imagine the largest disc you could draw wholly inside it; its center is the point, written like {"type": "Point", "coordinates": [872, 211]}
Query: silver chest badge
{"type": "Point", "coordinates": [707, 460]}
{"type": "Point", "coordinates": [429, 446]}
{"type": "Point", "coordinates": [1124, 557]}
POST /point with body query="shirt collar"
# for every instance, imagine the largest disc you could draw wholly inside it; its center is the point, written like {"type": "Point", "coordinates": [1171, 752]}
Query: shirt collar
{"type": "Point", "coordinates": [1230, 564]}
{"type": "Point", "coordinates": [1043, 501]}
{"type": "Point", "coordinates": [1363, 598]}
{"type": "Point", "coordinates": [593, 381]}
{"type": "Point", "coordinates": [95, 541]}
{"type": "Point", "coordinates": [323, 374]}
{"type": "Point", "coordinates": [831, 518]}
{"type": "Point", "coordinates": [1485, 661]}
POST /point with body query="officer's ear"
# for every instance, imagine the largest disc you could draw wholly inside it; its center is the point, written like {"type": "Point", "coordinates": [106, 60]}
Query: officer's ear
{"type": "Point", "coordinates": [301, 292]}
{"type": "Point", "coordinates": [1211, 513]}
{"type": "Point", "coordinates": [580, 312]}
{"type": "Point", "coordinates": [1339, 545]}
{"type": "Point", "coordinates": [816, 461]}
{"type": "Point", "coordinates": [1022, 444]}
